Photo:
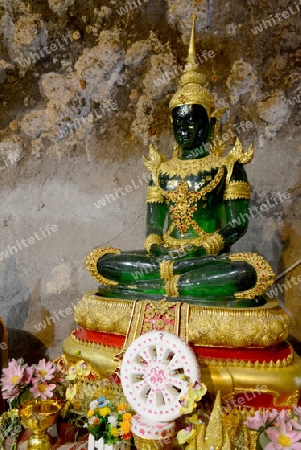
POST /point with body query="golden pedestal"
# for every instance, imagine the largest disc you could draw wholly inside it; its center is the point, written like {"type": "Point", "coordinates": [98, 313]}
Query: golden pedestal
{"type": "Point", "coordinates": [242, 352]}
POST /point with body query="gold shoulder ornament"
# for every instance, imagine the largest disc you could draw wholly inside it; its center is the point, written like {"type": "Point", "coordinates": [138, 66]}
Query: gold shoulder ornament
{"type": "Point", "coordinates": [153, 164]}
{"type": "Point", "coordinates": [237, 155]}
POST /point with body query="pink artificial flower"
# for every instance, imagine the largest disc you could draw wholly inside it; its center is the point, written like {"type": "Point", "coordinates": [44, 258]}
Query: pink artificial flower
{"type": "Point", "coordinates": [44, 370]}
{"type": "Point", "coordinates": [12, 394]}
{"type": "Point", "coordinates": [283, 439]}
{"type": "Point", "coordinates": [261, 420]}
{"type": "Point", "coordinates": [297, 411]}
{"type": "Point", "coordinates": [12, 375]}
{"type": "Point", "coordinates": [27, 376]}
{"type": "Point", "coordinates": [281, 416]}
{"type": "Point", "coordinates": [42, 390]}
{"type": "Point", "coordinates": [297, 421]}
{"type": "Point", "coordinates": [295, 425]}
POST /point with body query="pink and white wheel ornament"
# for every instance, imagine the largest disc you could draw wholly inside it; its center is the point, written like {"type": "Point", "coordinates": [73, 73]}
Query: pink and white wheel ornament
{"type": "Point", "coordinates": [155, 373]}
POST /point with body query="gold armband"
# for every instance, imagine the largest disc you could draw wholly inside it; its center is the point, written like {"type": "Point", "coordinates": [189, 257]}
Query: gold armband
{"type": "Point", "coordinates": [166, 269]}
{"type": "Point", "coordinates": [171, 287]}
{"type": "Point", "coordinates": [238, 189]}
{"type": "Point", "coordinates": [154, 195]}
{"type": "Point", "coordinates": [213, 244]}
{"type": "Point", "coordinates": [152, 239]}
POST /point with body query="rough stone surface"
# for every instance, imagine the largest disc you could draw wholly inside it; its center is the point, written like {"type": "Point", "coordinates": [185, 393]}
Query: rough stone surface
{"type": "Point", "coordinates": [59, 7]}
{"type": "Point", "coordinates": [76, 121]}
{"type": "Point", "coordinates": [274, 111]}
{"type": "Point", "coordinates": [242, 80]}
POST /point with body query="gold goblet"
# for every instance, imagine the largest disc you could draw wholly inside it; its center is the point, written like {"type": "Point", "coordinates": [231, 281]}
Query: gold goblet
{"type": "Point", "coordinates": [38, 416]}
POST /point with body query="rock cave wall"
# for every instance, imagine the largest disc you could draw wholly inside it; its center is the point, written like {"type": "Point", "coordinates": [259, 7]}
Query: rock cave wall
{"type": "Point", "coordinates": [84, 89]}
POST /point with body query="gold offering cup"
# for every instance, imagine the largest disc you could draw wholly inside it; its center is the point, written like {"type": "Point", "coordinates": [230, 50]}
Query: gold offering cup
{"type": "Point", "coordinates": [152, 444]}
{"type": "Point", "coordinates": [38, 416]}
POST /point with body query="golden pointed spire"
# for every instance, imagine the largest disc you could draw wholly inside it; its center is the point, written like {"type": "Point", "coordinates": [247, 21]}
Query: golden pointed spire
{"type": "Point", "coordinates": [227, 443]}
{"type": "Point", "coordinates": [192, 81]}
{"type": "Point", "coordinates": [214, 431]}
{"type": "Point", "coordinates": [211, 437]}
{"type": "Point", "coordinates": [192, 56]}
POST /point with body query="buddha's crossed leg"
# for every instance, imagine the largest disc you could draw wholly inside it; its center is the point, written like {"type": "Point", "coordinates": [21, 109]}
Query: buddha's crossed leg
{"type": "Point", "coordinates": [244, 275]}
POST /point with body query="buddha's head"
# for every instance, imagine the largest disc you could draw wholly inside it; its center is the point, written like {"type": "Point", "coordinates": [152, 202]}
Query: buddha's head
{"type": "Point", "coordinates": [190, 125]}
{"type": "Point", "coordinates": [192, 106]}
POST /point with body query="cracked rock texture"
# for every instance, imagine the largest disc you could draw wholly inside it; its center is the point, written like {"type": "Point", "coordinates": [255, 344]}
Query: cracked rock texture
{"type": "Point", "coordinates": [84, 89]}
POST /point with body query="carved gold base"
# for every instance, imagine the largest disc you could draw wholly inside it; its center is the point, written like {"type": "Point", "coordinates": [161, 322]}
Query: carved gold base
{"type": "Point", "coordinates": [261, 326]}
{"type": "Point", "coordinates": [274, 386]}
{"type": "Point", "coordinates": [241, 350]}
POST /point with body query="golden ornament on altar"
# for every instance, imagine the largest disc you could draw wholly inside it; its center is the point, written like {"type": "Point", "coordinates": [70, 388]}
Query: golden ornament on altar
{"type": "Point", "coordinates": [38, 416]}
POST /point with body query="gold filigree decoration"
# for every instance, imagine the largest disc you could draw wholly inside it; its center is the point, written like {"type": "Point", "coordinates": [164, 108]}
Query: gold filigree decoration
{"type": "Point", "coordinates": [214, 244]}
{"type": "Point", "coordinates": [185, 202]}
{"type": "Point", "coordinates": [238, 189]}
{"type": "Point", "coordinates": [153, 163]}
{"type": "Point", "coordinates": [264, 272]}
{"type": "Point", "coordinates": [154, 195]}
{"type": "Point", "coordinates": [103, 314]}
{"type": "Point", "coordinates": [237, 154]}
{"type": "Point", "coordinates": [207, 326]}
{"type": "Point", "coordinates": [152, 239]}
{"type": "Point", "coordinates": [91, 264]}
{"type": "Point", "coordinates": [143, 310]}
{"type": "Point", "coordinates": [185, 167]}
{"type": "Point", "coordinates": [176, 150]}
{"type": "Point", "coordinates": [294, 398]}
{"type": "Point", "coordinates": [254, 327]}
{"type": "Point", "coordinates": [184, 207]}
{"type": "Point", "coordinates": [184, 242]}
{"type": "Point", "coordinates": [166, 269]}
{"type": "Point", "coordinates": [239, 363]}
{"type": "Point", "coordinates": [171, 287]}
{"type": "Point", "coordinates": [184, 320]}
{"type": "Point", "coordinates": [218, 114]}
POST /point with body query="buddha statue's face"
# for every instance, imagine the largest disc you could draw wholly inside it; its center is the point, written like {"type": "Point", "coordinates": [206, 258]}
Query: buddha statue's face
{"type": "Point", "coordinates": [190, 125]}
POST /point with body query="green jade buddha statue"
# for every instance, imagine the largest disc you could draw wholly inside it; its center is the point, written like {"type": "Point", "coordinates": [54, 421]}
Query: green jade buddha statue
{"type": "Point", "coordinates": [193, 200]}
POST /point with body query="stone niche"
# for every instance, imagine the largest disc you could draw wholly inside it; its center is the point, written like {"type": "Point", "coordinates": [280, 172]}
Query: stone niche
{"type": "Point", "coordinates": [84, 89]}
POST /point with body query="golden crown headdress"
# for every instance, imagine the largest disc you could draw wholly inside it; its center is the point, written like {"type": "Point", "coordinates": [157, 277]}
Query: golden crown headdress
{"type": "Point", "coordinates": [192, 90]}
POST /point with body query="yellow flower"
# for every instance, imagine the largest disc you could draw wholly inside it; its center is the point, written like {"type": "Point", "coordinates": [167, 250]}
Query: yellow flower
{"type": "Point", "coordinates": [127, 416]}
{"type": "Point", "coordinates": [71, 374]}
{"type": "Point", "coordinates": [125, 427]}
{"type": "Point", "coordinates": [196, 391]}
{"type": "Point", "coordinates": [90, 413]}
{"type": "Point", "coordinates": [122, 407]}
{"type": "Point", "coordinates": [82, 368]}
{"type": "Point", "coordinates": [187, 405]}
{"type": "Point", "coordinates": [185, 435]}
{"type": "Point", "coordinates": [104, 411]}
{"type": "Point", "coordinates": [71, 392]}
{"type": "Point", "coordinates": [114, 432]}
